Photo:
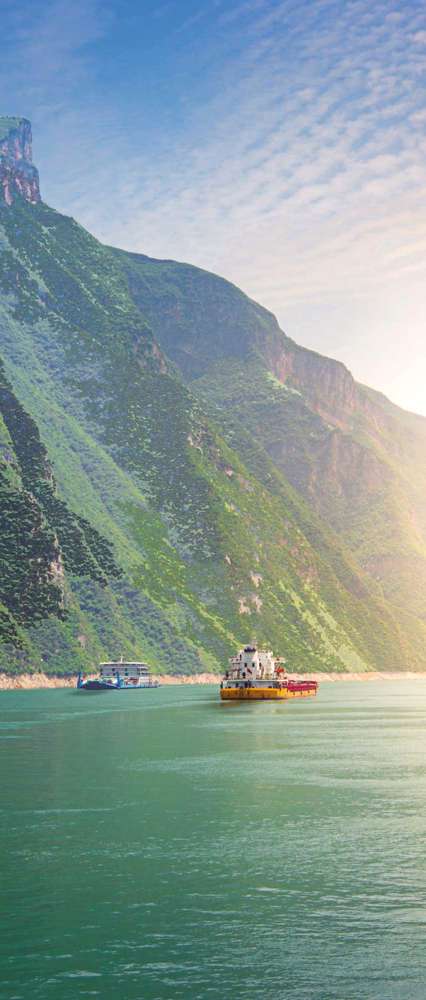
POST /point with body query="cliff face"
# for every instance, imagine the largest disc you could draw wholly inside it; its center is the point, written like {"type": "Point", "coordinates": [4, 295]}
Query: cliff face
{"type": "Point", "coordinates": [326, 384]}
{"type": "Point", "coordinates": [18, 175]}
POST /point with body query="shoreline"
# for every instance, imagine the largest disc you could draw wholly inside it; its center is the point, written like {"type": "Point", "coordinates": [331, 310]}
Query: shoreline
{"type": "Point", "coordinates": [36, 681]}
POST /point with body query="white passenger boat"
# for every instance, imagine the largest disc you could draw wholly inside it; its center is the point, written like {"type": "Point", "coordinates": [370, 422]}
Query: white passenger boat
{"type": "Point", "coordinates": [119, 675]}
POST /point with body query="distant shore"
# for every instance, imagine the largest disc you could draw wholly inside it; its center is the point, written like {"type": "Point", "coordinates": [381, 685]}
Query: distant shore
{"type": "Point", "coordinates": [27, 682]}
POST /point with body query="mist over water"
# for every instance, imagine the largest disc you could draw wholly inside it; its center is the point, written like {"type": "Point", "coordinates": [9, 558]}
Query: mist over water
{"type": "Point", "coordinates": [160, 845]}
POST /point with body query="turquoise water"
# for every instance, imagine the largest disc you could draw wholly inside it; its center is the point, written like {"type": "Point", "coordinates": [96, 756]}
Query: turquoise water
{"type": "Point", "coordinates": [159, 845]}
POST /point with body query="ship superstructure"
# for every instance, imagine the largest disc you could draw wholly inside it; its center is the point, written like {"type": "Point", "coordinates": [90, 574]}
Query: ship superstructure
{"type": "Point", "coordinates": [119, 675]}
{"type": "Point", "coordinates": [255, 673]}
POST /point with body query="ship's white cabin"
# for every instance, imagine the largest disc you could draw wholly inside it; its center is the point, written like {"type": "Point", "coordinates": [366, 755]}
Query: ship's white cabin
{"type": "Point", "coordinates": [132, 671]}
{"type": "Point", "coordinates": [252, 666]}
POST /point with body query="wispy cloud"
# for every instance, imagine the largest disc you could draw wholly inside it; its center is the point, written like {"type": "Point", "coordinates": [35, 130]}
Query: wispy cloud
{"type": "Point", "coordinates": [288, 154]}
{"type": "Point", "coordinates": [44, 46]}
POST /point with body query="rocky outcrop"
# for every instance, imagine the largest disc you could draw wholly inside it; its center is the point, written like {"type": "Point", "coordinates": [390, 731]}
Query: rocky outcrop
{"type": "Point", "coordinates": [18, 175]}
{"type": "Point", "coordinates": [326, 384]}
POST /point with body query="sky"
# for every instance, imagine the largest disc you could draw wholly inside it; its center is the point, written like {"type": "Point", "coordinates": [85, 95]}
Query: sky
{"type": "Point", "coordinates": [279, 143]}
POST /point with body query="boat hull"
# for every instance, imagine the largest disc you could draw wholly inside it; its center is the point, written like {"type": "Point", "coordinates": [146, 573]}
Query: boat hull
{"type": "Point", "coordinates": [95, 686]}
{"type": "Point", "coordinates": [103, 686]}
{"type": "Point", "coordinates": [265, 694]}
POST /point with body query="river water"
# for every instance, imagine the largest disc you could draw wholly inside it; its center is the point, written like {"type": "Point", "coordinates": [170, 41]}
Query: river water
{"type": "Point", "coordinates": [159, 845]}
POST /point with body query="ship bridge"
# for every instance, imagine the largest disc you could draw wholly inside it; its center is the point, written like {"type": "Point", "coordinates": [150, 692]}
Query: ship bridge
{"type": "Point", "coordinates": [252, 663]}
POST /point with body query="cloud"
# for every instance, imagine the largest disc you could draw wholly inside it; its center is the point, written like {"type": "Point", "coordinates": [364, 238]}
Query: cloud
{"type": "Point", "coordinates": [45, 53]}
{"type": "Point", "coordinates": [288, 153]}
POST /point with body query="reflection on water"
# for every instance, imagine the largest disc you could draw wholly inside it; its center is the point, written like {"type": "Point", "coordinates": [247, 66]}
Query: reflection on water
{"type": "Point", "coordinates": [159, 845]}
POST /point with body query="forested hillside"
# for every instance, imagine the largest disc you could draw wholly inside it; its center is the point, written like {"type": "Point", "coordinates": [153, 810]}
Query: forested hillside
{"type": "Point", "coordinates": [42, 544]}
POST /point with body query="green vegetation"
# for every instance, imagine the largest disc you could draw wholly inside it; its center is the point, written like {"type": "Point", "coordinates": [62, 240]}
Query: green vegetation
{"type": "Point", "coordinates": [355, 458]}
{"type": "Point", "coordinates": [152, 390]}
{"type": "Point", "coordinates": [40, 538]}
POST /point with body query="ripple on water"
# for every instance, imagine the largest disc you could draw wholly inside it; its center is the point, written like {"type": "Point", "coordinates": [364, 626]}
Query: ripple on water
{"type": "Point", "coordinates": [173, 849]}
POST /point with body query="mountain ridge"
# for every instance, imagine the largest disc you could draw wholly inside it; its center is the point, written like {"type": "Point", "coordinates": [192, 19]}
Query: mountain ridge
{"type": "Point", "coordinates": [315, 399]}
{"type": "Point", "coordinates": [202, 468]}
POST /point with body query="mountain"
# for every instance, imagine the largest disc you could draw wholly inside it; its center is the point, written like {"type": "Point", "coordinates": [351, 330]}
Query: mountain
{"type": "Point", "coordinates": [357, 459]}
{"type": "Point", "coordinates": [41, 539]}
{"type": "Point", "coordinates": [244, 485]}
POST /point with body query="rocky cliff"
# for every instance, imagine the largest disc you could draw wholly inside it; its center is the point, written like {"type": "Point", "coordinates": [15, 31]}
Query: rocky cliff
{"type": "Point", "coordinates": [18, 175]}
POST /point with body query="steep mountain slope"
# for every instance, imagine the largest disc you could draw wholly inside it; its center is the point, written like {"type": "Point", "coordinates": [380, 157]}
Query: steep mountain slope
{"type": "Point", "coordinates": [356, 458]}
{"type": "Point", "coordinates": [214, 541]}
{"type": "Point", "coordinates": [41, 542]}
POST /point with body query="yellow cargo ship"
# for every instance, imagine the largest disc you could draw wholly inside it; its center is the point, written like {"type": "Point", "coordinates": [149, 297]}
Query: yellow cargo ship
{"type": "Point", "coordinates": [257, 675]}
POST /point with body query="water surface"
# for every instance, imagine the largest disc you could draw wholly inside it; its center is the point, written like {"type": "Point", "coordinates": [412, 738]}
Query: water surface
{"type": "Point", "coordinates": [158, 845]}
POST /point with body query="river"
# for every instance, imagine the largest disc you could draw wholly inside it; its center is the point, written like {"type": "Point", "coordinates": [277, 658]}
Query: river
{"type": "Point", "coordinates": [158, 845]}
